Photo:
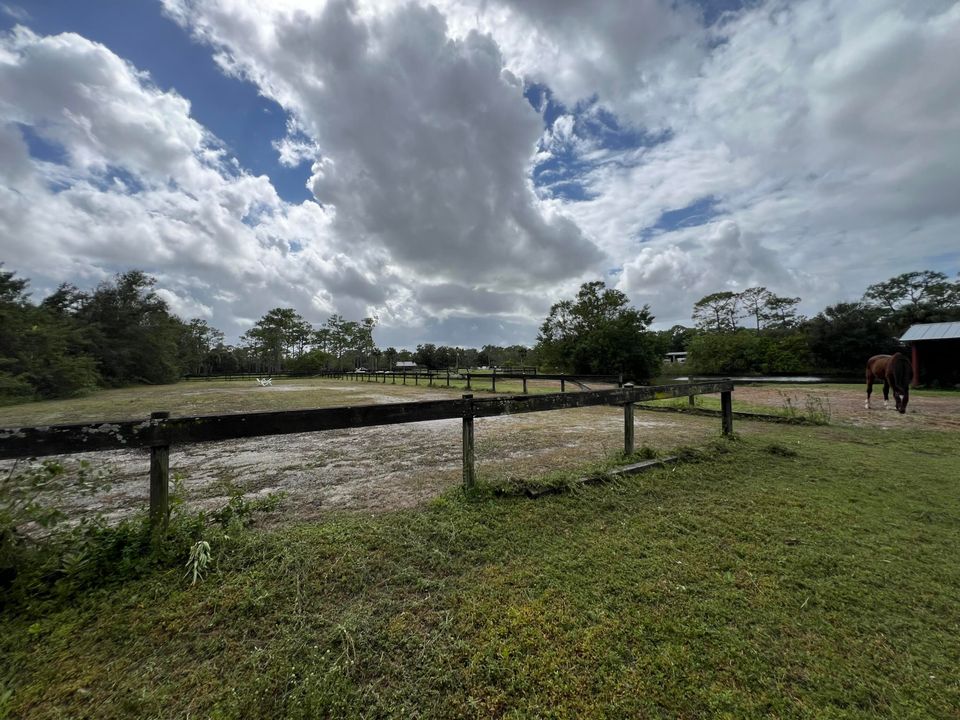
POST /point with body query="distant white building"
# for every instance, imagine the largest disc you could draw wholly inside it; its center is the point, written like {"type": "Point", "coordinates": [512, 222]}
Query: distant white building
{"type": "Point", "coordinates": [405, 365]}
{"type": "Point", "coordinates": [675, 357]}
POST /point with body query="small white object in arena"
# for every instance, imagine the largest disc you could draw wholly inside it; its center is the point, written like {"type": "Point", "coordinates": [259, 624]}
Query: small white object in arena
{"type": "Point", "coordinates": [264, 382]}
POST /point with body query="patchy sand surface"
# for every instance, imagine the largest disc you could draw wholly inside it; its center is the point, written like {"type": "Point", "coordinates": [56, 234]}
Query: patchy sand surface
{"type": "Point", "coordinates": [374, 469]}
{"type": "Point", "coordinates": [845, 404]}
{"type": "Point", "coordinates": [399, 466]}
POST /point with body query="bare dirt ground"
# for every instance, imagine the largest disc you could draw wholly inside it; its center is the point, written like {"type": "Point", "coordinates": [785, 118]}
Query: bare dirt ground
{"type": "Point", "coordinates": [399, 466]}
{"type": "Point", "coordinates": [368, 469]}
{"type": "Point", "coordinates": [845, 404]}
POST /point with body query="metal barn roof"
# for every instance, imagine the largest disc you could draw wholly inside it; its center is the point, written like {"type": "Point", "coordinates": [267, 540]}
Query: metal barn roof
{"type": "Point", "coordinates": [932, 331]}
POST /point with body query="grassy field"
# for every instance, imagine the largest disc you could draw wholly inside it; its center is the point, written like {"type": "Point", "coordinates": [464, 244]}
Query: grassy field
{"type": "Point", "coordinates": [802, 572]}
{"type": "Point", "coordinates": [226, 396]}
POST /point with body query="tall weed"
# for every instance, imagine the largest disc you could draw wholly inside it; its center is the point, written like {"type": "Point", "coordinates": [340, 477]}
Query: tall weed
{"type": "Point", "coordinates": [816, 409]}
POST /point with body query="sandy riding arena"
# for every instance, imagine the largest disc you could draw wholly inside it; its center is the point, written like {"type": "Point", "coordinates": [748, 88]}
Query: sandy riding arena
{"type": "Point", "coordinates": [399, 466]}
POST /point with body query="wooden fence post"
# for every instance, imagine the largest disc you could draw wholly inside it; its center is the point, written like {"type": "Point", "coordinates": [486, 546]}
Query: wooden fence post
{"type": "Point", "coordinates": [726, 410]}
{"type": "Point", "coordinates": [469, 476]}
{"type": "Point", "coordinates": [563, 385]}
{"type": "Point", "coordinates": [468, 381]}
{"type": "Point", "coordinates": [159, 481]}
{"type": "Point", "coordinates": [448, 377]}
{"type": "Point", "coordinates": [493, 380]}
{"type": "Point", "coordinates": [628, 424]}
{"type": "Point", "coordinates": [416, 378]}
{"type": "Point", "coordinates": [524, 384]}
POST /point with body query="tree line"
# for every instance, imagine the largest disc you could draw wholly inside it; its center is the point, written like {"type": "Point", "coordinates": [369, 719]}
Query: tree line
{"type": "Point", "coordinates": [122, 332]}
{"type": "Point", "coordinates": [757, 331]}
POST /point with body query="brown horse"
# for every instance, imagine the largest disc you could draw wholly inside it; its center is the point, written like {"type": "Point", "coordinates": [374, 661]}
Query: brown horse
{"type": "Point", "coordinates": [895, 371]}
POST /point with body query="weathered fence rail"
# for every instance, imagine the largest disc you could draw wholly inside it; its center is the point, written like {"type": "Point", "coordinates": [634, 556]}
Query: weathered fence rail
{"type": "Point", "coordinates": [432, 377]}
{"type": "Point", "coordinates": [266, 373]}
{"type": "Point", "coordinates": [160, 432]}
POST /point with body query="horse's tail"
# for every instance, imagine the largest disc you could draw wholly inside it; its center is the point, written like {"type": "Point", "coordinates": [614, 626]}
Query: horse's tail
{"type": "Point", "coordinates": [902, 373]}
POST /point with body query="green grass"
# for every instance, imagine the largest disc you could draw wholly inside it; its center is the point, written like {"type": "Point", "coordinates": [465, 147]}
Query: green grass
{"type": "Point", "coordinates": [228, 396]}
{"type": "Point", "coordinates": [801, 572]}
{"type": "Point", "coordinates": [792, 402]}
{"type": "Point", "coordinates": [712, 402]}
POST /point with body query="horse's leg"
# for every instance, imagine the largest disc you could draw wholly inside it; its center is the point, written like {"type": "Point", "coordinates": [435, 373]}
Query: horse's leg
{"type": "Point", "coordinates": [869, 388]}
{"type": "Point", "coordinates": [886, 393]}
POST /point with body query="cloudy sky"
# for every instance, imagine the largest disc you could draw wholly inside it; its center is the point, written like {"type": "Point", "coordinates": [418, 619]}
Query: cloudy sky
{"type": "Point", "coordinates": [454, 168]}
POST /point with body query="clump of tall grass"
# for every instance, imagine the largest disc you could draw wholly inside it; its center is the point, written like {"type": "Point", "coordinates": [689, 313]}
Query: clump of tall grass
{"type": "Point", "coordinates": [816, 408]}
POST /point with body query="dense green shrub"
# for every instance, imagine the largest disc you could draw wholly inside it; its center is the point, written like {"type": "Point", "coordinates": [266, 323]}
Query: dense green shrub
{"type": "Point", "coordinates": [42, 553]}
{"type": "Point", "coordinates": [14, 389]}
{"type": "Point", "coordinates": [746, 351]}
{"type": "Point", "coordinates": [311, 362]}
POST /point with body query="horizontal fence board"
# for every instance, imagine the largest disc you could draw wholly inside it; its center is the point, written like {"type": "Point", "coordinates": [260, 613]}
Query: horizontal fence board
{"type": "Point", "coordinates": [90, 437]}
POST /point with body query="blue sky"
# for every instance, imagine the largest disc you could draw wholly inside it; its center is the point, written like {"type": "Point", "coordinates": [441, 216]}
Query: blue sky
{"type": "Point", "coordinates": [454, 168]}
{"type": "Point", "coordinates": [142, 34]}
{"type": "Point", "coordinates": [248, 123]}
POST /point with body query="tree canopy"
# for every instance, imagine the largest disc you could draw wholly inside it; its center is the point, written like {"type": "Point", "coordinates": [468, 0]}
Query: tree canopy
{"type": "Point", "coordinates": [42, 350]}
{"type": "Point", "coordinates": [915, 297]}
{"type": "Point", "coordinates": [123, 332]}
{"type": "Point", "coordinates": [717, 312]}
{"type": "Point", "coordinates": [598, 332]}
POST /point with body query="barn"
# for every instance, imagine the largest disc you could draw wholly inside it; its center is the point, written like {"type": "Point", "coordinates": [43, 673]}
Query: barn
{"type": "Point", "coordinates": [935, 350]}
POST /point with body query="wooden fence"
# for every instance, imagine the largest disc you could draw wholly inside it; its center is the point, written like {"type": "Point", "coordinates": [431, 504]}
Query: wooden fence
{"type": "Point", "coordinates": [432, 377]}
{"type": "Point", "coordinates": [160, 431]}
{"type": "Point", "coordinates": [255, 375]}
{"type": "Point", "coordinates": [444, 377]}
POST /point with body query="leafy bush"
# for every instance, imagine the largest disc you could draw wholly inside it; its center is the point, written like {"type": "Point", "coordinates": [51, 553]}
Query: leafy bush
{"type": "Point", "coordinates": [25, 502]}
{"type": "Point", "coordinates": [64, 376]}
{"type": "Point", "coordinates": [745, 351]}
{"type": "Point", "coordinates": [14, 389]}
{"type": "Point", "coordinates": [41, 554]}
{"type": "Point", "coordinates": [311, 362]}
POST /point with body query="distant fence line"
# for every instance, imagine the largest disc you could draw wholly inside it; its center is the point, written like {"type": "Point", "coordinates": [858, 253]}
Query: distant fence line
{"type": "Point", "coordinates": [431, 377]}
{"type": "Point", "coordinates": [434, 377]}
{"type": "Point", "coordinates": [160, 431]}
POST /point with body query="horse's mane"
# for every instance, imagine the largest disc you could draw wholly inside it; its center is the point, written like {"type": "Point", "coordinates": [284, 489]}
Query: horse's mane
{"type": "Point", "coordinates": [901, 371]}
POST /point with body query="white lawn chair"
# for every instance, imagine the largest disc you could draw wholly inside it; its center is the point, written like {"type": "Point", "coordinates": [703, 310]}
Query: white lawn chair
{"type": "Point", "coordinates": [265, 382]}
